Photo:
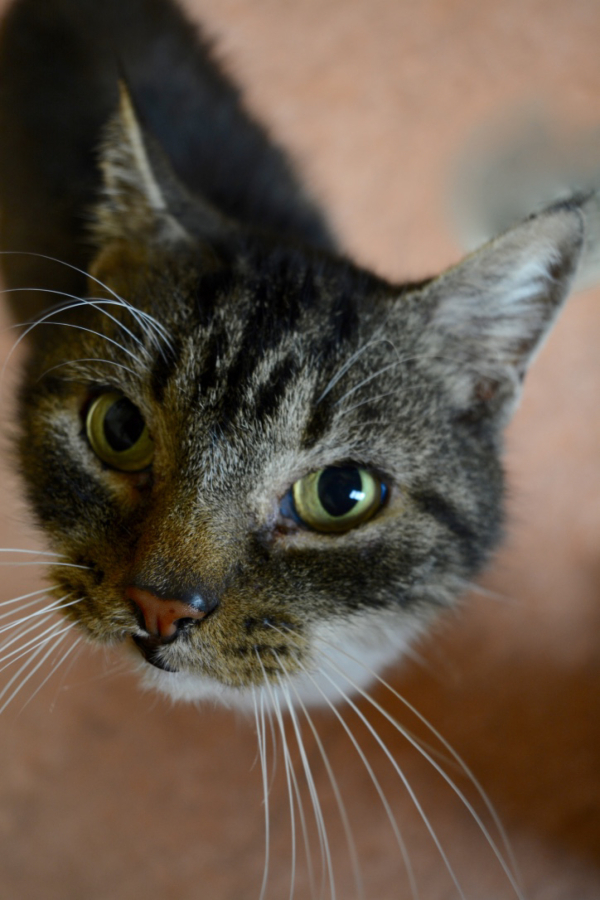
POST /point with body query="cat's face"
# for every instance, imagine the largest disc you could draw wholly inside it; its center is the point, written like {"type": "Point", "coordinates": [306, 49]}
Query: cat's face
{"type": "Point", "coordinates": [255, 457]}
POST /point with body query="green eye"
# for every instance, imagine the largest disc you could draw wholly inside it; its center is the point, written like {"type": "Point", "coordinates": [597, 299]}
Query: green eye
{"type": "Point", "coordinates": [117, 433]}
{"type": "Point", "coordinates": [337, 498]}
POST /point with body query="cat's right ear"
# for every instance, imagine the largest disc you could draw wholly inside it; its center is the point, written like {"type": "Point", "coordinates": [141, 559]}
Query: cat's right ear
{"type": "Point", "coordinates": [489, 314]}
{"type": "Point", "coordinates": [142, 201]}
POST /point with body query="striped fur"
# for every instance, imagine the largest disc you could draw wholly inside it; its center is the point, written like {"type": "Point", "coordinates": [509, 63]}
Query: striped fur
{"type": "Point", "coordinates": [257, 355]}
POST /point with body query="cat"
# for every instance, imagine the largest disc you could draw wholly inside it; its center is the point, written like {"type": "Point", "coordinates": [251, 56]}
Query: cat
{"type": "Point", "coordinates": [251, 456]}
{"type": "Point", "coordinates": [259, 357]}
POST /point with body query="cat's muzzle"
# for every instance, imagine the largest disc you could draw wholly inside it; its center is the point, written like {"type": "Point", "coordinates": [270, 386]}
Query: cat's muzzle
{"type": "Point", "coordinates": [164, 619]}
{"type": "Point", "coordinates": [150, 648]}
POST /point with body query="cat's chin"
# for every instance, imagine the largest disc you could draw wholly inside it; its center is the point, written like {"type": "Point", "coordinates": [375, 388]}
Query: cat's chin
{"type": "Point", "coordinates": [348, 657]}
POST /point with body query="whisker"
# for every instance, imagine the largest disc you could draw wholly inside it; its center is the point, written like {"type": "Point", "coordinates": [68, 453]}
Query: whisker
{"type": "Point", "coordinates": [382, 371]}
{"type": "Point", "coordinates": [159, 328]}
{"type": "Point", "coordinates": [22, 650]}
{"type": "Point", "coordinates": [369, 378]}
{"type": "Point", "coordinates": [155, 330]}
{"type": "Point", "coordinates": [291, 780]}
{"type": "Point", "coordinates": [45, 562]}
{"type": "Point", "coordinates": [97, 303]}
{"type": "Point", "coordinates": [400, 774]}
{"type": "Point", "coordinates": [12, 612]}
{"type": "Point", "coordinates": [60, 636]}
{"type": "Point", "coordinates": [113, 671]}
{"type": "Point", "coordinates": [89, 359]}
{"type": "Point", "coordinates": [261, 736]}
{"type": "Point", "coordinates": [337, 794]}
{"type": "Point", "coordinates": [511, 875]}
{"type": "Point", "coordinates": [35, 552]}
{"type": "Point", "coordinates": [52, 607]}
{"type": "Point", "coordinates": [318, 813]}
{"type": "Point", "coordinates": [376, 784]}
{"type": "Point", "coordinates": [273, 731]}
{"type": "Point", "coordinates": [60, 686]}
{"type": "Point", "coordinates": [43, 590]}
{"type": "Point", "coordinates": [428, 357]}
{"type": "Point", "coordinates": [29, 326]}
{"type": "Point", "coordinates": [46, 319]}
{"type": "Point", "coordinates": [350, 409]}
{"type": "Point", "coordinates": [474, 588]}
{"type": "Point", "coordinates": [26, 648]}
{"type": "Point", "coordinates": [132, 309]}
{"type": "Point", "coordinates": [351, 361]}
{"type": "Point", "coordinates": [5, 644]}
{"type": "Point", "coordinates": [103, 337]}
{"type": "Point", "coordinates": [53, 670]}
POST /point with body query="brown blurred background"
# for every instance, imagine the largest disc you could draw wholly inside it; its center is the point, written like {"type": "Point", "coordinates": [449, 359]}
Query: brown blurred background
{"type": "Point", "coordinates": [107, 792]}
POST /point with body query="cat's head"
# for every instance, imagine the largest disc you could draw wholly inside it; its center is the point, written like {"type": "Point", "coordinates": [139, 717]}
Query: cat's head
{"type": "Point", "coordinates": [256, 457]}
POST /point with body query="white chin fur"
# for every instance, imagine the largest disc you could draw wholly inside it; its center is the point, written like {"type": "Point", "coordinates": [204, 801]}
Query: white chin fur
{"type": "Point", "coordinates": [346, 655]}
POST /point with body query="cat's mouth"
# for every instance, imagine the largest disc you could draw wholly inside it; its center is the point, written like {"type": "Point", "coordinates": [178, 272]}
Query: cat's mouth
{"type": "Point", "coordinates": [150, 648]}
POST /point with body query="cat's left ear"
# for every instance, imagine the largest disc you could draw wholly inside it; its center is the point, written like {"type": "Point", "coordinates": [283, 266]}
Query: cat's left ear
{"type": "Point", "coordinates": [141, 198]}
{"type": "Point", "coordinates": [491, 312]}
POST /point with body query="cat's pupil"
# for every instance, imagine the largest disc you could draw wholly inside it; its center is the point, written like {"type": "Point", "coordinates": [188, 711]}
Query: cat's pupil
{"type": "Point", "coordinates": [340, 489]}
{"type": "Point", "coordinates": [123, 425]}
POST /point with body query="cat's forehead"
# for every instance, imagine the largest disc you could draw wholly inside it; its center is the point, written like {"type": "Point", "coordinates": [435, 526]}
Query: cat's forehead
{"type": "Point", "coordinates": [255, 392]}
{"type": "Point", "coordinates": [258, 321]}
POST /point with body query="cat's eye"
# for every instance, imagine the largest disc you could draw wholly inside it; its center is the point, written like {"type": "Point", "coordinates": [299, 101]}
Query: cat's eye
{"type": "Point", "coordinates": [118, 434]}
{"type": "Point", "coordinates": [337, 498]}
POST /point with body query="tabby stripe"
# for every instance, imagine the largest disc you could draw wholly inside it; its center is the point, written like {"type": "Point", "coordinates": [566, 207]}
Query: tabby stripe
{"type": "Point", "coordinates": [320, 421]}
{"type": "Point", "coordinates": [68, 498]}
{"type": "Point", "coordinates": [241, 370]}
{"type": "Point", "coordinates": [269, 394]}
{"type": "Point", "coordinates": [215, 283]}
{"type": "Point", "coordinates": [164, 368]}
{"type": "Point", "coordinates": [444, 513]}
{"type": "Point", "coordinates": [216, 349]}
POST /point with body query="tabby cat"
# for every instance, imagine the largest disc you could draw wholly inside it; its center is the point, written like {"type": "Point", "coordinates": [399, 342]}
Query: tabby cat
{"type": "Point", "coordinates": [253, 459]}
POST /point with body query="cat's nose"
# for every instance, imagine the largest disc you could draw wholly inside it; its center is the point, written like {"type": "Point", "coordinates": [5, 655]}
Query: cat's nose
{"type": "Point", "coordinates": [164, 618]}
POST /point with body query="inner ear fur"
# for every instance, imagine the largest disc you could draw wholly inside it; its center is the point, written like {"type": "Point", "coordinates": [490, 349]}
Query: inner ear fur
{"type": "Point", "coordinates": [141, 197]}
{"type": "Point", "coordinates": [491, 312]}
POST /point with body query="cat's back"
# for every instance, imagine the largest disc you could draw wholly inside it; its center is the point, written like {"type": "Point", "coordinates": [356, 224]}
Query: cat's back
{"type": "Point", "coordinates": [60, 63]}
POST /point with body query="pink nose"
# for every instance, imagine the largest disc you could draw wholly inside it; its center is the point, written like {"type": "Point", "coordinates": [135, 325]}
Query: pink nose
{"type": "Point", "coordinates": [161, 616]}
